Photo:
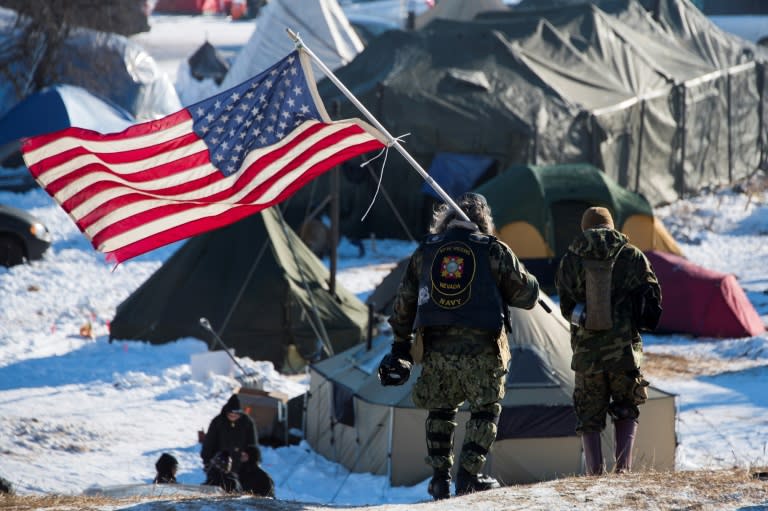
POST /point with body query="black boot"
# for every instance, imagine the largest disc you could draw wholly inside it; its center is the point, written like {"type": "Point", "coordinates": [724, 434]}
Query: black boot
{"type": "Point", "coordinates": [625, 429]}
{"type": "Point", "coordinates": [593, 453]}
{"type": "Point", "coordinates": [440, 485]}
{"type": "Point", "coordinates": [470, 483]}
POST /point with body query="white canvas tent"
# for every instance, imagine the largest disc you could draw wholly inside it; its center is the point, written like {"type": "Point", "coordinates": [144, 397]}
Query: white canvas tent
{"type": "Point", "coordinates": [321, 24]}
{"type": "Point", "coordinates": [355, 421]}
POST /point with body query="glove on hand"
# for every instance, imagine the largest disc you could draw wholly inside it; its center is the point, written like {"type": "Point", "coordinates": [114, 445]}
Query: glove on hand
{"type": "Point", "coordinates": [395, 367]}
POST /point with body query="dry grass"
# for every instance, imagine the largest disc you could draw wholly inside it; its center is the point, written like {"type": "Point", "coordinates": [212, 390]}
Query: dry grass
{"type": "Point", "coordinates": [686, 490]}
{"type": "Point", "coordinates": [664, 365]}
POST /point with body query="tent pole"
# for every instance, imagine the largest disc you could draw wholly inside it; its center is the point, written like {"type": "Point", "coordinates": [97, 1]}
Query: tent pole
{"type": "Point", "coordinates": [391, 141]}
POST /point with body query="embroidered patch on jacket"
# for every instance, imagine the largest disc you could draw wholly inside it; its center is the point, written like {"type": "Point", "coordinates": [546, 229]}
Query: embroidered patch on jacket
{"type": "Point", "coordinates": [453, 270]}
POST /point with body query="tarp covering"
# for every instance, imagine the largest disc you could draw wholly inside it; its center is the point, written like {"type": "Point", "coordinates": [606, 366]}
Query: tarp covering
{"type": "Point", "coordinates": [108, 65]}
{"type": "Point", "coordinates": [662, 101]}
{"type": "Point", "coordinates": [321, 24]}
{"type": "Point", "coordinates": [456, 173]}
{"type": "Point", "coordinates": [257, 285]}
{"type": "Point", "coordinates": [702, 302]}
{"type": "Point", "coordinates": [378, 429]}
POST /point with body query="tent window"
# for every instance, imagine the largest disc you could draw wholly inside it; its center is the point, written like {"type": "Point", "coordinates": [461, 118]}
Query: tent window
{"type": "Point", "coordinates": [343, 405]}
{"type": "Point", "coordinates": [527, 369]}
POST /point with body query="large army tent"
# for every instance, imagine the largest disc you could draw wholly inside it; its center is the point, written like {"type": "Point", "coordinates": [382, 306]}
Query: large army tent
{"type": "Point", "coordinates": [537, 211]}
{"type": "Point", "coordinates": [259, 286]}
{"type": "Point", "coordinates": [664, 101]}
{"type": "Point", "coordinates": [457, 10]}
{"type": "Point", "coordinates": [702, 302]}
{"type": "Point", "coordinates": [355, 421]}
{"type": "Point", "coordinates": [321, 24]}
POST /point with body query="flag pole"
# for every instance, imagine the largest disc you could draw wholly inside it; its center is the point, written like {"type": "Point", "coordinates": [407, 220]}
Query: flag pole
{"type": "Point", "coordinates": [391, 141]}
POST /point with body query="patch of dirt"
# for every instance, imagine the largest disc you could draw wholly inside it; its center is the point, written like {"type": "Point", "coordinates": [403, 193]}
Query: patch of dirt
{"type": "Point", "coordinates": [668, 366]}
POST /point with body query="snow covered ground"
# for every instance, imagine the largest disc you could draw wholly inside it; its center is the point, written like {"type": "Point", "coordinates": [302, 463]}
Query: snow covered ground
{"type": "Point", "coordinates": [78, 412]}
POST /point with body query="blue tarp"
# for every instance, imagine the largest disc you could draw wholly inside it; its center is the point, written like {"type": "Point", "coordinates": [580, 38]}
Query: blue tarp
{"type": "Point", "coordinates": [58, 107]}
{"type": "Point", "coordinates": [456, 173]}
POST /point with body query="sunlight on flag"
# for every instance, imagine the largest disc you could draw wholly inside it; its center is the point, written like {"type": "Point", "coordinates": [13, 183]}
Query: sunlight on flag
{"type": "Point", "coordinates": [204, 167]}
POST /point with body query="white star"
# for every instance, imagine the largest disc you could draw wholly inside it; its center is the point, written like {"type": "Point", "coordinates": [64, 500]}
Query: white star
{"type": "Point", "coordinates": [263, 139]}
{"type": "Point", "coordinates": [224, 118]}
{"type": "Point", "coordinates": [239, 119]}
{"type": "Point", "coordinates": [247, 123]}
{"type": "Point", "coordinates": [298, 90]}
{"type": "Point", "coordinates": [291, 102]}
{"type": "Point", "coordinates": [219, 129]}
{"type": "Point", "coordinates": [218, 157]}
{"type": "Point", "coordinates": [235, 96]}
{"type": "Point", "coordinates": [232, 132]}
{"type": "Point", "coordinates": [254, 110]}
{"type": "Point", "coordinates": [242, 134]}
{"type": "Point", "coordinates": [286, 114]}
{"type": "Point", "coordinates": [200, 111]}
{"type": "Point", "coordinates": [244, 107]}
{"type": "Point", "coordinates": [304, 109]}
{"type": "Point", "coordinates": [256, 132]}
{"type": "Point", "coordinates": [210, 117]}
{"type": "Point", "coordinates": [263, 98]}
{"type": "Point", "coordinates": [294, 71]}
{"type": "Point", "coordinates": [291, 59]}
{"type": "Point", "coordinates": [238, 148]}
{"type": "Point", "coordinates": [273, 117]}
{"type": "Point", "coordinates": [204, 129]}
{"type": "Point", "coordinates": [217, 104]}
{"type": "Point", "coordinates": [283, 125]}
{"type": "Point", "coordinates": [249, 95]}
{"type": "Point", "coordinates": [224, 146]}
{"type": "Point", "coordinates": [230, 169]}
{"type": "Point", "coordinates": [270, 129]}
{"type": "Point", "coordinates": [268, 83]}
{"type": "Point", "coordinates": [260, 117]}
{"type": "Point", "coordinates": [274, 72]}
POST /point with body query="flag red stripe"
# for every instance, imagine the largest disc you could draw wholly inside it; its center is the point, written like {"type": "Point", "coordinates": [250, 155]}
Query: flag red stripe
{"type": "Point", "coordinates": [232, 215]}
{"type": "Point", "coordinates": [166, 209]}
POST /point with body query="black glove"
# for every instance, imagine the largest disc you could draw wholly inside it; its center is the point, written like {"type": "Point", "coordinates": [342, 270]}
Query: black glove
{"type": "Point", "coordinates": [395, 367]}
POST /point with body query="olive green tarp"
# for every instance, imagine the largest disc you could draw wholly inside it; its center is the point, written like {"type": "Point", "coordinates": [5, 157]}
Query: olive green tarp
{"type": "Point", "coordinates": [257, 284]}
{"type": "Point", "coordinates": [353, 420]}
{"type": "Point", "coordinates": [663, 101]}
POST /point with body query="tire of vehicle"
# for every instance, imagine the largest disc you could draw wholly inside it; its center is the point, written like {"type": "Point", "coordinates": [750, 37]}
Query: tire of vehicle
{"type": "Point", "coordinates": [11, 250]}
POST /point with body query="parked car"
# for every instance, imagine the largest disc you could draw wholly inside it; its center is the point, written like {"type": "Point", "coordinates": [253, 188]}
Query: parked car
{"type": "Point", "coordinates": [22, 236]}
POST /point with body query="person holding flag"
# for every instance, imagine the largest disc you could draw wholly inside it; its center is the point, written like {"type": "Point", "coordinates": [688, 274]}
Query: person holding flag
{"type": "Point", "coordinates": [454, 294]}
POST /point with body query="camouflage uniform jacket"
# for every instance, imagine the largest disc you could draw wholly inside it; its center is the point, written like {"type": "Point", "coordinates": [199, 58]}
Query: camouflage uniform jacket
{"type": "Point", "coordinates": [620, 348]}
{"type": "Point", "coordinates": [517, 287]}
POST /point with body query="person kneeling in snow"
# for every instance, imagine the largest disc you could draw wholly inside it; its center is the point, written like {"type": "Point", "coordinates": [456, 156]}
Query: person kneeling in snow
{"type": "Point", "coordinates": [219, 473]}
{"type": "Point", "coordinates": [253, 478]}
{"type": "Point", "coordinates": [166, 467]}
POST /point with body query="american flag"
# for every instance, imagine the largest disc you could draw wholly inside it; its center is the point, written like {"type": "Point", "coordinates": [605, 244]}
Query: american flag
{"type": "Point", "coordinates": [198, 169]}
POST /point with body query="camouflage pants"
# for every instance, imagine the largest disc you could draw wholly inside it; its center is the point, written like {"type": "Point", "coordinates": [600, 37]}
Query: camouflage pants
{"type": "Point", "coordinates": [449, 379]}
{"type": "Point", "coordinates": [596, 395]}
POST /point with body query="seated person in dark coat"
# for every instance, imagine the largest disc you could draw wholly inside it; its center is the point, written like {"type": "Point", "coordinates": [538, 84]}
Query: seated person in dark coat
{"type": "Point", "coordinates": [231, 430]}
{"type": "Point", "coordinates": [219, 473]}
{"type": "Point", "coordinates": [166, 467]}
{"type": "Point", "coordinates": [253, 478]}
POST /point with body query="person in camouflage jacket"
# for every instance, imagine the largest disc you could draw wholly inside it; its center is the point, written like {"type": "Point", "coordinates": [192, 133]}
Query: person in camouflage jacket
{"type": "Point", "coordinates": [455, 290]}
{"type": "Point", "coordinates": [609, 291]}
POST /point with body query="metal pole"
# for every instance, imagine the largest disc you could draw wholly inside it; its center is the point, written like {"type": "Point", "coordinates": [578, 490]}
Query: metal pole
{"type": "Point", "coordinates": [392, 141]}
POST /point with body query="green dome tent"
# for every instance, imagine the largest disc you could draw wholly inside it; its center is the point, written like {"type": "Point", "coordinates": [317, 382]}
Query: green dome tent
{"type": "Point", "coordinates": [537, 211]}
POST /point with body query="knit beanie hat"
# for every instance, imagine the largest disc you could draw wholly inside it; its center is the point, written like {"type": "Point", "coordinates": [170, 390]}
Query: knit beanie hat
{"type": "Point", "coordinates": [233, 405]}
{"type": "Point", "coordinates": [596, 217]}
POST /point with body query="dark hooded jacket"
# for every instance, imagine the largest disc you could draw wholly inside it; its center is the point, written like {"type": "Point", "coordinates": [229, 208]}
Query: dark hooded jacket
{"type": "Point", "coordinates": [219, 473]}
{"type": "Point", "coordinates": [253, 478]}
{"type": "Point", "coordinates": [233, 437]}
{"type": "Point", "coordinates": [619, 348]}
